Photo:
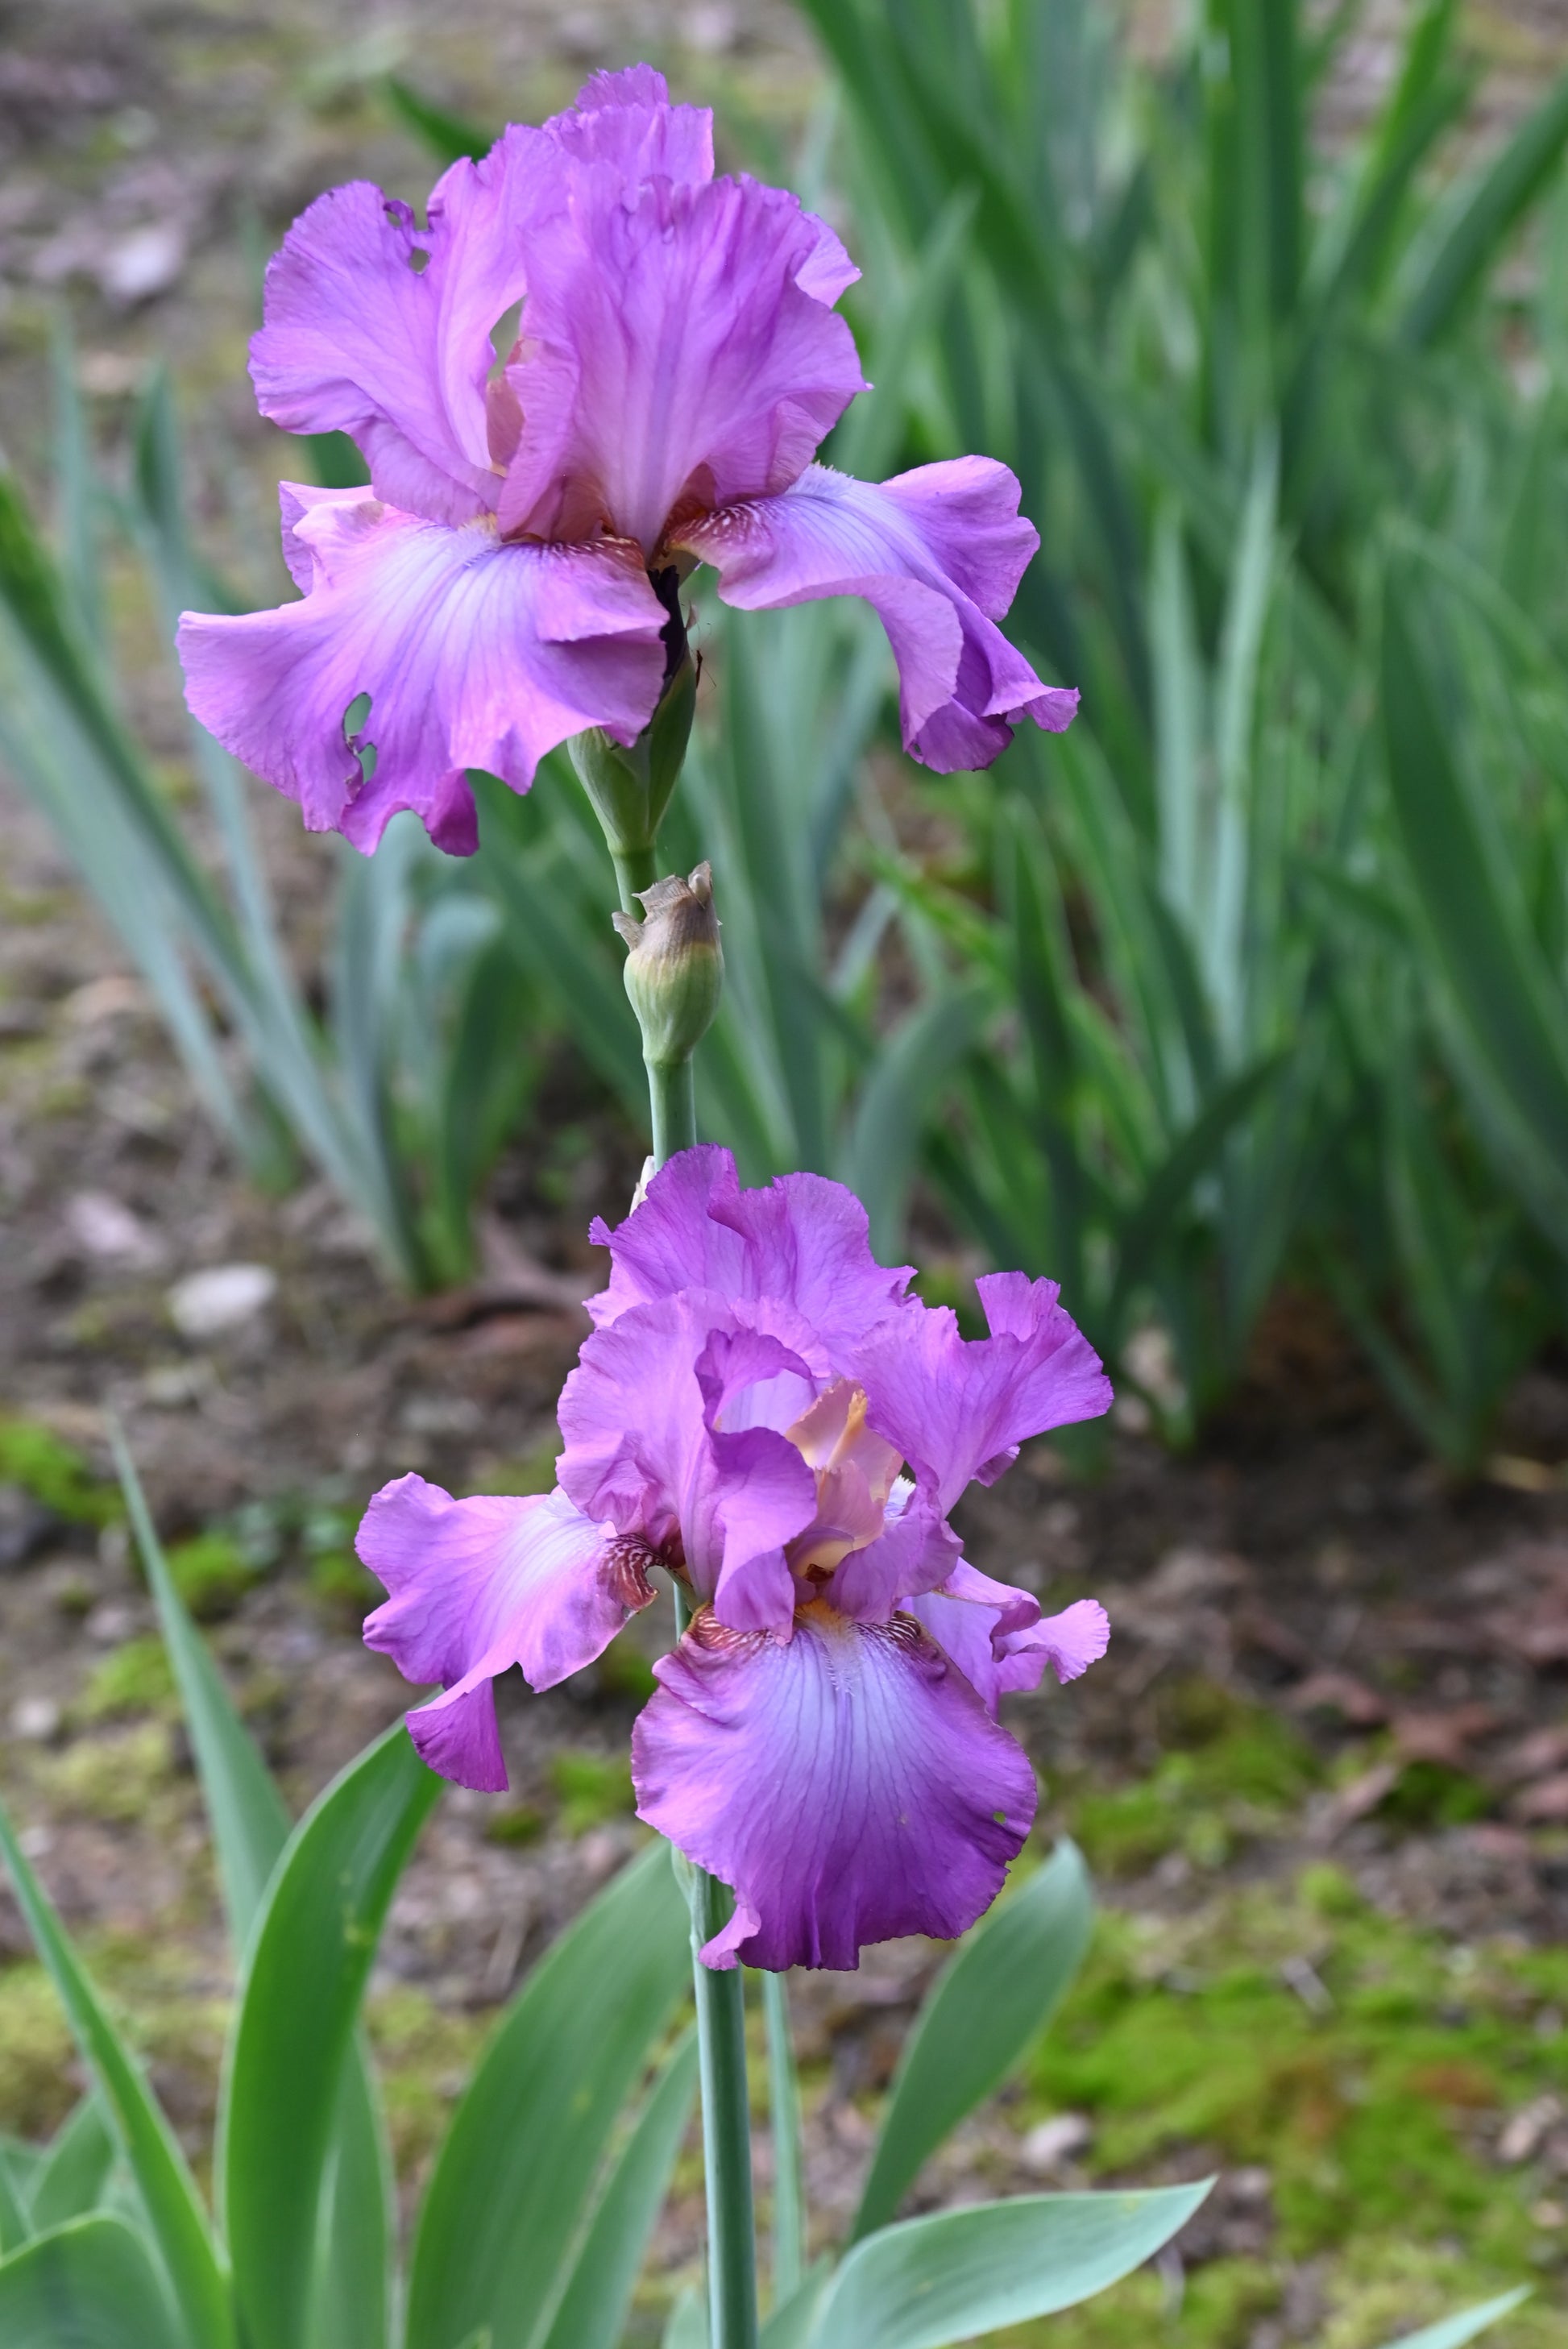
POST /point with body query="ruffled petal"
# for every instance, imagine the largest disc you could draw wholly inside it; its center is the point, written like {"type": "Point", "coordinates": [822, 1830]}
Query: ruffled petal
{"type": "Point", "coordinates": [939, 554]}
{"type": "Point", "coordinates": [474, 653]}
{"type": "Point", "coordinates": [846, 1782]}
{"type": "Point", "coordinates": [958, 1408]}
{"type": "Point", "coordinates": [478, 1585]}
{"type": "Point", "coordinates": [998, 1638]}
{"type": "Point", "coordinates": [677, 350]}
{"type": "Point", "coordinates": [363, 335]}
{"type": "Point", "coordinates": [802, 1241]}
{"type": "Point", "coordinates": [641, 1416]}
{"type": "Point", "coordinates": [625, 119]}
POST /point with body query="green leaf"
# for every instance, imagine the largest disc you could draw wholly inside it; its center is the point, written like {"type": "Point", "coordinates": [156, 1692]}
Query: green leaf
{"type": "Point", "coordinates": [175, 2215]}
{"type": "Point", "coordinates": [87, 2285]}
{"type": "Point", "coordinates": [978, 2017]}
{"type": "Point", "coordinates": [687, 2325]}
{"type": "Point", "coordinates": [15, 2223]}
{"type": "Point", "coordinates": [448, 137]}
{"type": "Point", "coordinates": [352, 2292]}
{"type": "Point", "coordinates": [76, 490]}
{"type": "Point", "coordinates": [72, 2177]}
{"type": "Point", "coordinates": [591, 2311]}
{"type": "Point", "coordinates": [249, 1821]}
{"type": "Point", "coordinates": [312, 1953]}
{"type": "Point", "coordinates": [1506, 1008]}
{"type": "Point", "coordinates": [513, 2177]}
{"type": "Point", "coordinates": [1170, 1183]}
{"type": "Point", "coordinates": [907, 1079]}
{"type": "Point", "coordinates": [789, 2326]}
{"type": "Point", "coordinates": [32, 595]}
{"type": "Point", "coordinates": [251, 1827]}
{"type": "Point", "coordinates": [1506, 189]}
{"type": "Point", "coordinates": [962, 2272]}
{"type": "Point", "coordinates": [1450, 2332]}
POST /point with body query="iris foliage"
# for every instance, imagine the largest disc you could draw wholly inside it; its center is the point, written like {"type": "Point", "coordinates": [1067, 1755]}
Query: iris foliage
{"type": "Point", "coordinates": [1274, 936]}
{"type": "Point", "coordinates": [535, 2222]}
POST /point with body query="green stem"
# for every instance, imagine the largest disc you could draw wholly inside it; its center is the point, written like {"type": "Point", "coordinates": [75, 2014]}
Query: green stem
{"type": "Point", "coordinates": [636, 869]}
{"type": "Point", "coordinates": [720, 1996]}
{"type": "Point", "coordinates": [726, 2111]}
{"type": "Point", "coordinates": [725, 2128]}
{"type": "Point", "coordinates": [671, 1104]}
{"type": "Point", "coordinates": [784, 2112]}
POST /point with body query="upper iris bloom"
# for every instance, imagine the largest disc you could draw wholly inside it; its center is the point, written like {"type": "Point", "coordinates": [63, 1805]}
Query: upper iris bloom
{"type": "Point", "coordinates": [512, 576]}
{"type": "Point", "coordinates": [762, 1411]}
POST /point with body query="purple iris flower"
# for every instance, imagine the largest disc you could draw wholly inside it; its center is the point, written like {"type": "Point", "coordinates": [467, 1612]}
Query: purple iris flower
{"type": "Point", "coordinates": [763, 1411]}
{"type": "Point", "coordinates": [512, 576]}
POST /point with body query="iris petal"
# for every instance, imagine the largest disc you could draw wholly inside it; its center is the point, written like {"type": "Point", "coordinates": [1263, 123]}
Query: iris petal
{"type": "Point", "coordinates": [363, 337]}
{"type": "Point", "coordinates": [477, 1586]}
{"type": "Point", "coordinates": [677, 350]}
{"type": "Point", "coordinates": [999, 1638]}
{"type": "Point", "coordinates": [939, 554]}
{"type": "Point", "coordinates": [846, 1782]}
{"type": "Point", "coordinates": [473, 653]}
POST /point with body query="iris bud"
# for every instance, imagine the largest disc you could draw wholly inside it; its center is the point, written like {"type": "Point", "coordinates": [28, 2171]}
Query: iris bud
{"type": "Point", "coordinates": [674, 967]}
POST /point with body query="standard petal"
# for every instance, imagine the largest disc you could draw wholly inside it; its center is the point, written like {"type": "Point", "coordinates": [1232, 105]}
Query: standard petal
{"type": "Point", "coordinates": [478, 1585]}
{"type": "Point", "coordinates": [678, 351]}
{"type": "Point", "coordinates": [474, 653]}
{"type": "Point", "coordinates": [847, 1783]}
{"type": "Point", "coordinates": [959, 1408]}
{"type": "Point", "coordinates": [379, 328]}
{"type": "Point", "coordinates": [998, 1638]}
{"type": "Point", "coordinates": [626, 119]}
{"type": "Point", "coordinates": [802, 1241]}
{"type": "Point", "coordinates": [642, 1418]}
{"type": "Point", "coordinates": [939, 552]}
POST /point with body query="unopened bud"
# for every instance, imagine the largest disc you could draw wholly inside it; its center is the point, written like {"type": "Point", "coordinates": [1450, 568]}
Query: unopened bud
{"type": "Point", "coordinates": [674, 967]}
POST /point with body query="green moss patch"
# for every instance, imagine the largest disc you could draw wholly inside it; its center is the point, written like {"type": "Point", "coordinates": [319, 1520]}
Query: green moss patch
{"type": "Point", "coordinates": [211, 1573]}
{"type": "Point", "coordinates": [593, 1788]}
{"type": "Point", "coordinates": [38, 2080]}
{"type": "Point", "coordinates": [1366, 2065]}
{"type": "Point", "coordinates": [121, 1776]}
{"type": "Point", "coordinates": [1233, 1772]}
{"type": "Point", "coordinates": [135, 1678]}
{"type": "Point", "coordinates": [54, 1472]}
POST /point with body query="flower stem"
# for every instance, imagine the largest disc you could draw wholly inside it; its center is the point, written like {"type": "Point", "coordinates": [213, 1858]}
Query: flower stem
{"type": "Point", "coordinates": [612, 782]}
{"type": "Point", "coordinates": [784, 2102]}
{"type": "Point", "coordinates": [636, 869]}
{"type": "Point", "coordinates": [672, 1106]}
{"type": "Point", "coordinates": [726, 2111]}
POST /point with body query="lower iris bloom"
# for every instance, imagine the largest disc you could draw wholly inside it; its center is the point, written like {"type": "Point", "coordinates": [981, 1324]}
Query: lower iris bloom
{"type": "Point", "coordinates": [544, 478]}
{"type": "Point", "coordinates": [763, 1412]}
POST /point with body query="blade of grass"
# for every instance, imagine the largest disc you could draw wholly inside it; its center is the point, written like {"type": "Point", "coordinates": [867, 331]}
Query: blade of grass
{"type": "Point", "coordinates": [151, 2151]}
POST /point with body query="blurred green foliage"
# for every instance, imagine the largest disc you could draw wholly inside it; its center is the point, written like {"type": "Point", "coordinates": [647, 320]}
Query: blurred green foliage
{"type": "Point", "coordinates": [1273, 937]}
